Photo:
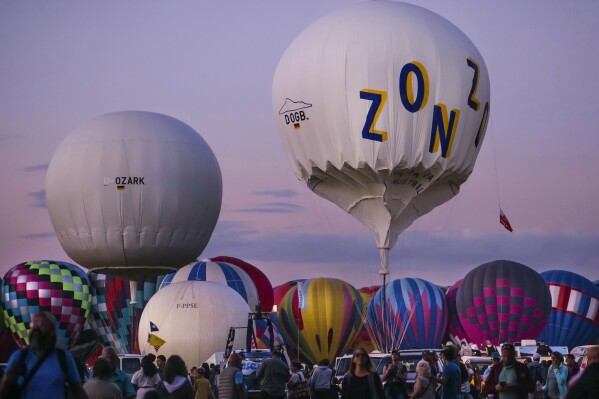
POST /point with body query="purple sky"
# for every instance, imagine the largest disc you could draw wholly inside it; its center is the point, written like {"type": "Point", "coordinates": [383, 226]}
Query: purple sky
{"type": "Point", "coordinates": [210, 64]}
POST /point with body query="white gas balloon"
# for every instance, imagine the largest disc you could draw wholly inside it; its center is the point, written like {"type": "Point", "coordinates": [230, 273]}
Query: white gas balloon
{"type": "Point", "coordinates": [134, 194]}
{"type": "Point", "coordinates": [193, 319]}
{"type": "Point", "coordinates": [382, 108]}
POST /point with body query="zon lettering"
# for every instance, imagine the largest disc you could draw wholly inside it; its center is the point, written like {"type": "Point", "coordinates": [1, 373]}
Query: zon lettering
{"type": "Point", "coordinates": [293, 117]}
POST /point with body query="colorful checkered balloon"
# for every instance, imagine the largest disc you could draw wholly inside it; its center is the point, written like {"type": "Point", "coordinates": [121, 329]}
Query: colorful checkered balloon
{"type": "Point", "coordinates": [116, 318]}
{"type": "Point", "coordinates": [503, 301]}
{"type": "Point", "coordinates": [56, 287]}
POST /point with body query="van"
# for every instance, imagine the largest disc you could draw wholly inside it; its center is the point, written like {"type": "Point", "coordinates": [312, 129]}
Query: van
{"type": "Point", "coordinates": [409, 358]}
{"type": "Point", "coordinates": [130, 363]}
{"type": "Point", "coordinates": [581, 354]}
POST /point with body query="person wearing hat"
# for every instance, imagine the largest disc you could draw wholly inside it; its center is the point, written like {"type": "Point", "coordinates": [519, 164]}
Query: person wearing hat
{"type": "Point", "coordinates": [495, 358]}
{"type": "Point", "coordinates": [510, 379]}
{"type": "Point", "coordinates": [395, 376]}
{"type": "Point", "coordinates": [490, 348]}
{"type": "Point", "coordinates": [537, 372]}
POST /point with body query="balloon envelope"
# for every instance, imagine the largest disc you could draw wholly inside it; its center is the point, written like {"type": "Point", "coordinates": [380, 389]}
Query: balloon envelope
{"type": "Point", "coordinates": [363, 339]}
{"type": "Point", "coordinates": [327, 323]}
{"type": "Point", "coordinates": [503, 301]}
{"type": "Point", "coordinates": [133, 194]}
{"type": "Point", "coordinates": [119, 316]}
{"type": "Point", "coordinates": [574, 318]}
{"type": "Point", "coordinates": [382, 107]}
{"type": "Point", "coordinates": [249, 282]}
{"type": "Point", "coordinates": [455, 330]}
{"type": "Point", "coordinates": [263, 285]}
{"type": "Point", "coordinates": [415, 315]}
{"type": "Point", "coordinates": [59, 288]}
{"type": "Point", "coordinates": [193, 318]}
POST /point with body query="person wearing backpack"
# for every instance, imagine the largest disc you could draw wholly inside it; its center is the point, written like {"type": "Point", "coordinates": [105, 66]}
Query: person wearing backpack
{"type": "Point", "coordinates": [41, 370]}
{"type": "Point", "coordinates": [297, 386]}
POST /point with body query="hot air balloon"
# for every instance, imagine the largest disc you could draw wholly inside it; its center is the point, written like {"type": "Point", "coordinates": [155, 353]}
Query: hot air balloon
{"type": "Point", "coordinates": [192, 319]}
{"type": "Point", "coordinates": [415, 315]}
{"type": "Point", "coordinates": [455, 330]}
{"type": "Point", "coordinates": [279, 293]}
{"type": "Point", "coordinates": [325, 323]}
{"type": "Point", "coordinates": [363, 339]}
{"type": "Point", "coordinates": [574, 317]}
{"type": "Point", "coordinates": [503, 301]}
{"type": "Point", "coordinates": [119, 314]}
{"type": "Point", "coordinates": [133, 194]}
{"type": "Point", "coordinates": [382, 107]}
{"type": "Point", "coordinates": [264, 340]}
{"type": "Point", "coordinates": [56, 287]}
{"type": "Point", "coordinates": [249, 281]}
{"type": "Point", "coordinates": [263, 285]}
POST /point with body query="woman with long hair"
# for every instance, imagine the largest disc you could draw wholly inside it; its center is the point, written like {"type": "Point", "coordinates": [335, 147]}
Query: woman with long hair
{"type": "Point", "coordinates": [176, 383]}
{"type": "Point", "coordinates": [557, 377]}
{"type": "Point", "coordinates": [146, 378]}
{"type": "Point", "coordinates": [361, 381]}
{"type": "Point", "coordinates": [425, 386]}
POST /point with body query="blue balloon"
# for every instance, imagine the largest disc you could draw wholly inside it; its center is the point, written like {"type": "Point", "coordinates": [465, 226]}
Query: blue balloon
{"type": "Point", "coordinates": [574, 317]}
{"type": "Point", "coordinates": [415, 315]}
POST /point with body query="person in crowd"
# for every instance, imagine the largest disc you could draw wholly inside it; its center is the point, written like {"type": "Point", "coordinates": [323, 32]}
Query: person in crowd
{"type": "Point", "coordinates": [431, 358]}
{"type": "Point", "coordinates": [230, 380]}
{"type": "Point", "coordinates": [176, 383]}
{"type": "Point", "coordinates": [424, 385]}
{"type": "Point", "coordinates": [320, 381]}
{"type": "Point", "coordinates": [511, 378]}
{"type": "Point", "coordinates": [297, 382]}
{"type": "Point", "coordinates": [212, 375]}
{"type": "Point", "coordinates": [585, 384]}
{"type": "Point", "coordinates": [496, 361]}
{"type": "Point", "coordinates": [147, 377]}
{"type": "Point", "coordinates": [192, 374]}
{"type": "Point", "coordinates": [118, 376]}
{"type": "Point", "coordinates": [537, 374]}
{"type": "Point", "coordinates": [465, 350]}
{"type": "Point", "coordinates": [99, 387]}
{"type": "Point", "coordinates": [573, 367]}
{"type": "Point", "coordinates": [556, 386]}
{"type": "Point", "coordinates": [395, 376]}
{"type": "Point", "coordinates": [466, 382]}
{"type": "Point", "coordinates": [361, 381]}
{"type": "Point", "coordinates": [160, 362]}
{"type": "Point", "coordinates": [477, 382]}
{"type": "Point", "coordinates": [273, 374]}
{"type": "Point", "coordinates": [490, 348]}
{"type": "Point", "coordinates": [450, 375]}
{"type": "Point", "coordinates": [201, 386]}
{"type": "Point", "coordinates": [543, 349]}
{"type": "Point", "coordinates": [41, 370]}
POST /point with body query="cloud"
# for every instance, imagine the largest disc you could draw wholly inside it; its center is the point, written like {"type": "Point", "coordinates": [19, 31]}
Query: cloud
{"type": "Point", "coordinates": [273, 207]}
{"type": "Point", "coordinates": [277, 193]}
{"type": "Point", "coordinates": [442, 258]}
{"type": "Point", "coordinates": [289, 105]}
{"type": "Point", "coordinates": [38, 236]}
{"type": "Point", "coordinates": [36, 168]}
{"type": "Point", "coordinates": [39, 199]}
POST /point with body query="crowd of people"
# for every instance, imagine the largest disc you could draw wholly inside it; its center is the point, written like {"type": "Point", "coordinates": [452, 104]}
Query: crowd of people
{"type": "Point", "coordinates": [44, 371]}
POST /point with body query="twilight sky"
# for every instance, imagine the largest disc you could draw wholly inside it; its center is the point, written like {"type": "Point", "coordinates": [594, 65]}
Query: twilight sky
{"type": "Point", "coordinates": [211, 64]}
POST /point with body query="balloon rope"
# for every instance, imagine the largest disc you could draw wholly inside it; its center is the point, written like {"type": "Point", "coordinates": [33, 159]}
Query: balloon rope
{"type": "Point", "coordinates": [406, 325]}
